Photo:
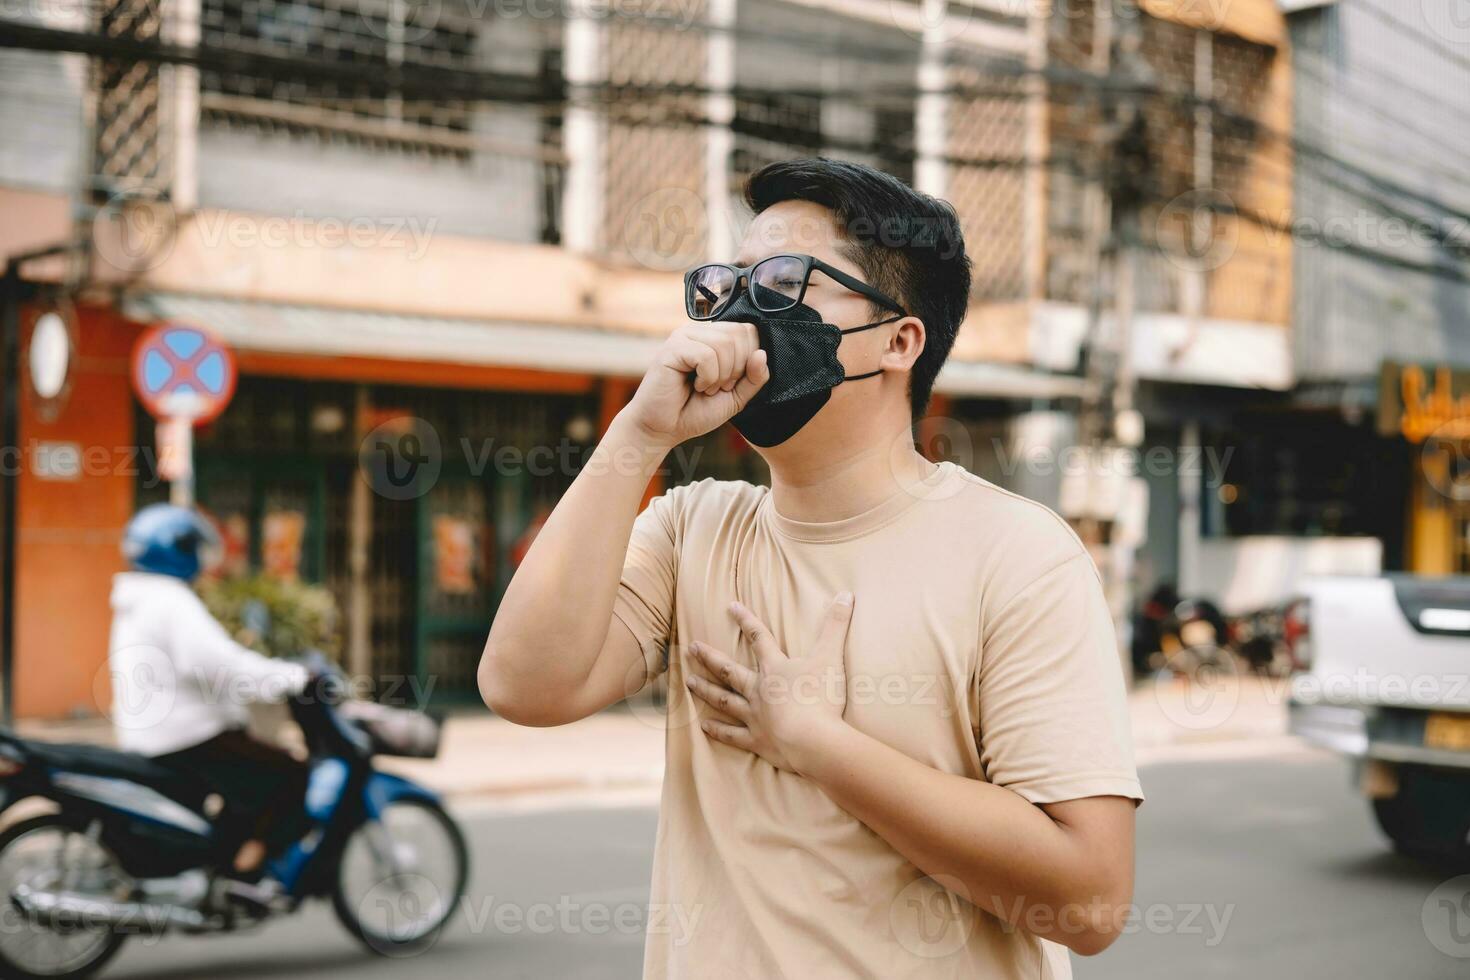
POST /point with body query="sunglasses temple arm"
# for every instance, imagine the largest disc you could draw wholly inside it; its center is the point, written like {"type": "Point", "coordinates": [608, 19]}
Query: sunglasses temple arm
{"type": "Point", "coordinates": [858, 286]}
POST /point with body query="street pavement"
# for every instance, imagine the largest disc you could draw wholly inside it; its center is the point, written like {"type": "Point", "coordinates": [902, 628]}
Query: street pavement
{"type": "Point", "coordinates": [1259, 863]}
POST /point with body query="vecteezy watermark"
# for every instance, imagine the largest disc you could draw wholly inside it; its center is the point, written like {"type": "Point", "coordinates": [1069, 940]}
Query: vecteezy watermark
{"type": "Point", "coordinates": [140, 684]}
{"type": "Point", "coordinates": [1362, 686]}
{"type": "Point", "coordinates": [573, 915]}
{"type": "Point", "coordinates": [143, 922]}
{"type": "Point", "coordinates": [1190, 233]}
{"type": "Point", "coordinates": [1445, 459]}
{"type": "Point", "coordinates": [944, 22]}
{"type": "Point", "coordinates": [412, 21]}
{"type": "Point", "coordinates": [950, 439]}
{"type": "Point", "coordinates": [1198, 230]}
{"type": "Point", "coordinates": [401, 914]}
{"type": "Point", "coordinates": [71, 461]}
{"type": "Point", "coordinates": [401, 459]}
{"type": "Point", "coordinates": [134, 232]}
{"type": "Point", "coordinates": [1446, 19]}
{"type": "Point", "coordinates": [934, 917]}
{"type": "Point", "coordinates": [1446, 918]}
{"type": "Point", "coordinates": [667, 230]}
{"type": "Point", "coordinates": [410, 234]}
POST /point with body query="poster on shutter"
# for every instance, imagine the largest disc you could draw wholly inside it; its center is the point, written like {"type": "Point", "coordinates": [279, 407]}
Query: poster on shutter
{"type": "Point", "coordinates": [455, 547]}
{"type": "Point", "coordinates": [281, 536]}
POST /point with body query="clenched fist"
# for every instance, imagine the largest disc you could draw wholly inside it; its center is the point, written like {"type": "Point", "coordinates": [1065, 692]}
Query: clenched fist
{"type": "Point", "coordinates": [702, 376]}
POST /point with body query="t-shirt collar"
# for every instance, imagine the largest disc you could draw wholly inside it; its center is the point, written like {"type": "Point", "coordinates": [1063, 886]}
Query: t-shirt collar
{"type": "Point", "coordinates": [869, 520]}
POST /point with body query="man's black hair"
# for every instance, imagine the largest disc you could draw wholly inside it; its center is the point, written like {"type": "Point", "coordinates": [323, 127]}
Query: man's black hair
{"type": "Point", "coordinates": [907, 244]}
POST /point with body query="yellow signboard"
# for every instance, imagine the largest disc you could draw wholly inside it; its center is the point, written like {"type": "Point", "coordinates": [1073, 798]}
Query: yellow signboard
{"type": "Point", "coordinates": [1413, 407]}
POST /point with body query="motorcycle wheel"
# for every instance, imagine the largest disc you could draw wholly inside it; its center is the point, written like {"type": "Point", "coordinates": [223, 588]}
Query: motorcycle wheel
{"type": "Point", "coordinates": [30, 951]}
{"type": "Point", "coordinates": [400, 880]}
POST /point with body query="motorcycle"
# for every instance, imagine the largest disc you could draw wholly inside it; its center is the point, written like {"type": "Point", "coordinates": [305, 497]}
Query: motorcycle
{"type": "Point", "coordinates": [1181, 637]}
{"type": "Point", "coordinates": [129, 850]}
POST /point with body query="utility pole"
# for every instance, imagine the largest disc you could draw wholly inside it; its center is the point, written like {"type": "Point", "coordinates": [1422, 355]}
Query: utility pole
{"type": "Point", "coordinates": [1109, 423]}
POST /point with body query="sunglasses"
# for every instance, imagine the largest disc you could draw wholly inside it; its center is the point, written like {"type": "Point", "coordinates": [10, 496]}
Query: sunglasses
{"type": "Point", "coordinates": [776, 284]}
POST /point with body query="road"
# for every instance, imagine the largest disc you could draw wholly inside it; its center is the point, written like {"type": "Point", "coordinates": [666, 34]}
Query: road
{"type": "Point", "coordinates": [1264, 868]}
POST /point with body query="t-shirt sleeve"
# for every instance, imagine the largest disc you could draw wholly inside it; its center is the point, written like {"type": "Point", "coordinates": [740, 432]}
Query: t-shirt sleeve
{"type": "Point", "coordinates": [1053, 714]}
{"type": "Point", "coordinates": [645, 599]}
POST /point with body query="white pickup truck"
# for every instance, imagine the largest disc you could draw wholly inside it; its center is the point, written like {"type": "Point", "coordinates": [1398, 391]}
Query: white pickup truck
{"type": "Point", "coordinates": [1387, 684]}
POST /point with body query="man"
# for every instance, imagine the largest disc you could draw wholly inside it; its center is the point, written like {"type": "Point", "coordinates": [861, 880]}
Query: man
{"type": "Point", "coordinates": [182, 687]}
{"type": "Point", "coordinates": [902, 746]}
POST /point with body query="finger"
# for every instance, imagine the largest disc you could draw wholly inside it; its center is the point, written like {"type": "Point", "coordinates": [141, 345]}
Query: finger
{"type": "Point", "coordinates": [746, 339]}
{"type": "Point", "coordinates": [832, 635]}
{"type": "Point", "coordinates": [721, 699]}
{"type": "Point", "coordinates": [736, 735]}
{"type": "Point", "coordinates": [757, 373]}
{"type": "Point", "coordinates": [767, 651]}
{"type": "Point", "coordinates": [723, 344]}
{"type": "Point", "coordinates": [736, 677]}
{"type": "Point", "coordinates": [684, 354]}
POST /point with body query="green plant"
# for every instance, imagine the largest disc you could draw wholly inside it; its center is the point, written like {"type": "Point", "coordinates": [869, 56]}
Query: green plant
{"type": "Point", "coordinates": [299, 617]}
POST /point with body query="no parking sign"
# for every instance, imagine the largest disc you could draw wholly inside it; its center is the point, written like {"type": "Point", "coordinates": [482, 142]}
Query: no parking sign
{"type": "Point", "coordinates": [180, 370]}
{"type": "Point", "coordinates": [185, 377]}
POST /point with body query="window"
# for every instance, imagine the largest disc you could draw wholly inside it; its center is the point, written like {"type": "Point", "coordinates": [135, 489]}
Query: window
{"type": "Point", "coordinates": [368, 36]}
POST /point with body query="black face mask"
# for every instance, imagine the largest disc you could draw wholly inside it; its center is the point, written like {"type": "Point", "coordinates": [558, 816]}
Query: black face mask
{"type": "Point", "coordinates": [801, 352]}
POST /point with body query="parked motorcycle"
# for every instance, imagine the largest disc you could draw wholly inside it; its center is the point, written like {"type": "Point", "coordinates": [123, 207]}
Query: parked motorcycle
{"type": "Point", "coordinates": [1185, 637]}
{"type": "Point", "coordinates": [125, 854]}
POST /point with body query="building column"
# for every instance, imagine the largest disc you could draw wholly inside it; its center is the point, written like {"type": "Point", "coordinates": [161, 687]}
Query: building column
{"type": "Point", "coordinates": [583, 129]}
{"type": "Point", "coordinates": [719, 108]}
{"type": "Point", "coordinates": [184, 31]}
{"type": "Point", "coordinates": [359, 550]}
{"type": "Point", "coordinates": [931, 120]}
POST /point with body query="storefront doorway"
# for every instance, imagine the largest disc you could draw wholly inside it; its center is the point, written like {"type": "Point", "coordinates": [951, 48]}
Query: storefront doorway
{"type": "Point", "coordinates": [280, 473]}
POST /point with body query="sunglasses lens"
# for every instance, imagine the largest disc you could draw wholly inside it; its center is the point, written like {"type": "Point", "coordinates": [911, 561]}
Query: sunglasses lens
{"type": "Point", "coordinates": [708, 291]}
{"type": "Point", "coordinates": [777, 282]}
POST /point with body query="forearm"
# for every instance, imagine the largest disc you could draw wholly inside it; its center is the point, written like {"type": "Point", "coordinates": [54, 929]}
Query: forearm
{"type": "Point", "coordinates": [1004, 854]}
{"type": "Point", "coordinates": [540, 645]}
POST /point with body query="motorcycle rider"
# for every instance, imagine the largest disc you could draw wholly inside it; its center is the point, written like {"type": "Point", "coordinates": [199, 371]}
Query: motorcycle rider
{"type": "Point", "coordinates": [182, 686]}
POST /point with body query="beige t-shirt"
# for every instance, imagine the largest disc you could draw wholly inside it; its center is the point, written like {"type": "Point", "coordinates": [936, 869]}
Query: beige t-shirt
{"type": "Point", "coordinates": [980, 645]}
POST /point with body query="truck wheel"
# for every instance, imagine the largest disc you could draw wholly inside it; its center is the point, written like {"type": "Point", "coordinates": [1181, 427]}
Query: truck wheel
{"type": "Point", "coordinates": [1430, 816]}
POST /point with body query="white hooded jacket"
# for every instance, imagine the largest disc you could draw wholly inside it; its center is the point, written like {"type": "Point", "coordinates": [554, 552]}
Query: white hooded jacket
{"type": "Point", "coordinates": [178, 678]}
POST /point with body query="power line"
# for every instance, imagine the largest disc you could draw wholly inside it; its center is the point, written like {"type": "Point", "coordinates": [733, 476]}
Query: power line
{"type": "Point", "coordinates": [528, 90]}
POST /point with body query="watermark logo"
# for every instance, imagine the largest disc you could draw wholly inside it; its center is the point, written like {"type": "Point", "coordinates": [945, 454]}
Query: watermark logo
{"type": "Point", "coordinates": [139, 684]}
{"type": "Point", "coordinates": [1191, 233]}
{"type": "Point", "coordinates": [932, 917]}
{"type": "Point", "coordinates": [402, 21]}
{"type": "Point", "coordinates": [1447, 19]}
{"type": "Point", "coordinates": [1200, 688]}
{"type": "Point", "coordinates": [401, 914]}
{"type": "Point", "coordinates": [666, 230]}
{"type": "Point", "coordinates": [1446, 461]}
{"type": "Point", "coordinates": [401, 459]}
{"type": "Point", "coordinates": [1446, 918]}
{"type": "Point", "coordinates": [134, 232]}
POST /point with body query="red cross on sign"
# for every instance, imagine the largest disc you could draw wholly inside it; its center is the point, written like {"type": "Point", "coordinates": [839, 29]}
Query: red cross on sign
{"type": "Point", "coordinates": [181, 371]}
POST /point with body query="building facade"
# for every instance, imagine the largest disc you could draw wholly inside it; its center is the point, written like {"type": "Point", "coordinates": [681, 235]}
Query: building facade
{"type": "Point", "coordinates": [1382, 305]}
{"type": "Point", "coordinates": [467, 224]}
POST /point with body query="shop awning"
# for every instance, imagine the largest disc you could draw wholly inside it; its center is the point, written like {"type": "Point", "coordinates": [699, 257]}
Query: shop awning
{"type": "Point", "coordinates": [316, 331]}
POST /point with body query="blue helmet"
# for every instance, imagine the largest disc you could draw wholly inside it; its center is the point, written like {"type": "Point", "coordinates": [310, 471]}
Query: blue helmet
{"type": "Point", "coordinates": [168, 540]}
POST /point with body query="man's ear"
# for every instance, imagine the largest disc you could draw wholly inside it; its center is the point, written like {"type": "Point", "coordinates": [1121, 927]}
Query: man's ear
{"type": "Point", "coordinates": [904, 345]}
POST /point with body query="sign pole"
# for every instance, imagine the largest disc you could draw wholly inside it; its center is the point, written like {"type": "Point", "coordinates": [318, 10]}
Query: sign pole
{"type": "Point", "coordinates": [180, 444]}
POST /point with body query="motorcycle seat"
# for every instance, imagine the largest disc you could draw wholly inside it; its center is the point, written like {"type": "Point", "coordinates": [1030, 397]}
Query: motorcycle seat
{"type": "Point", "coordinates": [95, 760]}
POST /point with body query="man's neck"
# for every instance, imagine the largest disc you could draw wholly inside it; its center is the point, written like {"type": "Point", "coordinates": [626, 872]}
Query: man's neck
{"type": "Point", "coordinates": [858, 477]}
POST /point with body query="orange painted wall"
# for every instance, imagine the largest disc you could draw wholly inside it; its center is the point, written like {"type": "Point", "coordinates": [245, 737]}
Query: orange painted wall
{"type": "Point", "coordinates": [67, 548]}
